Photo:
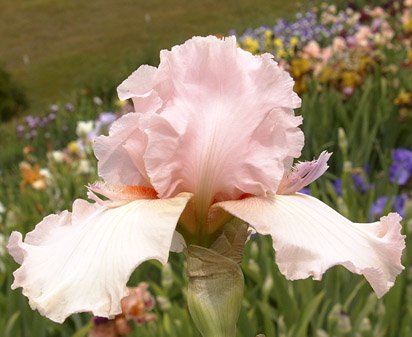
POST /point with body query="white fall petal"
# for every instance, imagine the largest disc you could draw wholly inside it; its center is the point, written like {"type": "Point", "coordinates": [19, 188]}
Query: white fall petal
{"type": "Point", "coordinates": [309, 237]}
{"type": "Point", "coordinates": [81, 261]}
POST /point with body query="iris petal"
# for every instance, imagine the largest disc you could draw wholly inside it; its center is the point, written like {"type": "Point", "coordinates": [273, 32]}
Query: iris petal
{"type": "Point", "coordinates": [228, 123]}
{"type": "Point", "coordinates": [81, 261]}
{"type": "Point", "coordinates": [115, 165]}
{"type": "Point", "coordinates": [309, 237]}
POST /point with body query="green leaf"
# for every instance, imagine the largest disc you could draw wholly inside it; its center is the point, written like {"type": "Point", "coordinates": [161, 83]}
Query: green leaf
{"type": "Point", "coordinates": [83, 332]}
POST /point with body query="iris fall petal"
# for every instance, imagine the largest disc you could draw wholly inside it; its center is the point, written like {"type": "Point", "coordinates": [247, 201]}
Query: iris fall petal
{"type": "Point", "coordinates": [81, 261]}
{"type": "Point", "coordinates": [309, 237]}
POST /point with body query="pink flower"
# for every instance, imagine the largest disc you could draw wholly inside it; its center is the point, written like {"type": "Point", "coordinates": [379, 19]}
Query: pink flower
{"type": "Point", "coordinates": [312, 49]}
{"type": "Point", "coordinates": [363, 35]}
{"type": "Point", "coordinates": [213, 137]}
{"type": "Point", "coordinates": [377, 12]}
{"type": "Point", "coordinates": [339, 44]}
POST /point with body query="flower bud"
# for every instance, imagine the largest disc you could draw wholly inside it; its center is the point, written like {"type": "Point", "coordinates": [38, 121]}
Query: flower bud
{"type": "Point", "coordinates": [342, 141]}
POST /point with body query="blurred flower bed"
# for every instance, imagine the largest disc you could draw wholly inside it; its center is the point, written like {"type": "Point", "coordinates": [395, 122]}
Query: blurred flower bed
{"type": "Point", "coordinates": [338, 47]}
{"type": "Point", "coordinates": [352, 68]}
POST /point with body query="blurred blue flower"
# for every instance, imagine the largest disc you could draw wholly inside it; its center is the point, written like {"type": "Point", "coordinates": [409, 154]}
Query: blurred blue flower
{"type": "Point", "coordinates": [397, 204]}
{"type": "Point", "coordinates": [360, 182]}
{"type": "Point", "coordinates": [378, 207]}
{"type": "Point", "coordinates": [31, 121]}
{"type": "Point", "coordinates": [401, 169]}
{"type": "Point", "coordinates": [337, 185]}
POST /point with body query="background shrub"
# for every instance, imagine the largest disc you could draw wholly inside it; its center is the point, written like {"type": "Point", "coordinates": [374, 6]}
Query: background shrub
{"type": "Point", "coordinates": [12, 97]}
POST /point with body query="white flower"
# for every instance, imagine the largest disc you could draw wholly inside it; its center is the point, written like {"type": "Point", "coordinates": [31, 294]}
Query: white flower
{"type": "Point", "coordinates": [84, 167]}
{"type": "Point", "coordinates": [57, 156]}
{"type": "Point", "coordinates": [97, 100]}
{"type": "Point", "coordinates": [84, 127]}
{"type": "Point", "coordinates": [45, 172]}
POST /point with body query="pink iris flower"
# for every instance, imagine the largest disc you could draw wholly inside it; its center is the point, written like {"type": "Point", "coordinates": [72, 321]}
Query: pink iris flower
{"type": "Point", "coordinates": [213, 137]}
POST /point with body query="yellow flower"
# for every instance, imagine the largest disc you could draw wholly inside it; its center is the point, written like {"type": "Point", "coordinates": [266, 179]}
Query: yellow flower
{"type": "Point", "coordinates": [250, 44]}
{"type": "Point", "coordinates": [403, 98]}
{"type": "Point", "coordinates": [268, 39]}
{"type": "Point", "coordinates": [281, 53]}
{"type": "Point", "coordinates": [350, 78]}
{"type": "Point", "coordinates": [326, 75]}
{"type": "Point", "coordinates": [300, 86]}
{"type": "Point", "coordinates": [278, 43]}
{"type": "Point", "coordinates": [294, 41]}
{"type": "Point", "coordinates": [299, 67]}
{"type": "Point", "coordinates": [409, 59]}
{"type": "Point", "coordinates": [365, 63]}
{"type": "Point", "coordinates": [407, 26]}
{"type": "Point", "coordinates": [73, 147]}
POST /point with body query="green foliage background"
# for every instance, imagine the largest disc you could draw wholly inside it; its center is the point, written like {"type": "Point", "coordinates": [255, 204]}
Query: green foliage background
{"type": "Point", "coordinates": [342, 304]}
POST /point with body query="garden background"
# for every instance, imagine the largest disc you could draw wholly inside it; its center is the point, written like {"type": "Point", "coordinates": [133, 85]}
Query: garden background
{"type": "Point", "coordinates": [60, 63]}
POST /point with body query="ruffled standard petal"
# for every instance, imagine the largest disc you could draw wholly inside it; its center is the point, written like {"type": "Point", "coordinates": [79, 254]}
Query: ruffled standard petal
{"type": "Point", "coordinates": [81, 261]}
{"type": "Point", "coordinates": [139, 86]}
{"type": "Point", "coordinates": [309, 237]}
{"type": "Point", "coordinates": [228, 124]}
{"type": "Point", "coordinates": [115, 164]}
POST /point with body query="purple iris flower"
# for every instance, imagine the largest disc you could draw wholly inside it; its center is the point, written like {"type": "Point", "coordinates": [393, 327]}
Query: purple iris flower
{"type": "Point", "coordinates": [337, 185]}
{"type": "Point", "coordinates": [397, 203]}
{"type": "Point", "coordinates": [43, 121]}
{"type": "Point", "coordinates": [378, 207]}
{"type": "Point", "coordinates": [401, 169]}
{"type": "Point", "coordinates": [31, 121]}
{"type": "Point", "coordinates": [360, 182]}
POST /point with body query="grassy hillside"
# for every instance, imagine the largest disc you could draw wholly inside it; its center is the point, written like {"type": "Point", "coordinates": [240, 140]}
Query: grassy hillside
{"type": "Point", "coordinates": [53, 47]}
